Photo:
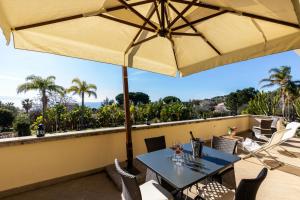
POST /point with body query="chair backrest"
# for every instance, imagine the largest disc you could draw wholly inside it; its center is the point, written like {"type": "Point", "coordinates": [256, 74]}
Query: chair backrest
{"type": "Point", "coordinates": [248, 188]}
{"type": "Point", "coordinates": [130, 187]}
{"type": "Point", "coordinates": [223, 144]}
{"type": "Point", "coordinates": [155, 143]}
{"type": "Point", "coordinates": [293, 127]}
{"type": "Point", "coordinates": [266, 124]}
{"type": "Point", "coordinates": [274, 122]}
{"type": "Point", "coordinates": [276, 138]}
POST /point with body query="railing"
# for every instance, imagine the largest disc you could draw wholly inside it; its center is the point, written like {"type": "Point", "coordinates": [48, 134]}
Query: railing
{"type": "Point", "coordinates": [7, 135]}
{"type": "Point", "coordinates": [31, 160]}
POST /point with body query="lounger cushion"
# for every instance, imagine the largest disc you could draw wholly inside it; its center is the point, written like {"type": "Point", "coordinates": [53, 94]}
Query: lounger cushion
{"type": "Point", "coordinates": [250, 145]}
{"type": "Point", "coordinates": [293, 127]}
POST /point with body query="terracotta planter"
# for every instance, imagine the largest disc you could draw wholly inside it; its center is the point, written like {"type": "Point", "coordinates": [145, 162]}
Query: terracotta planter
{"type": "Point", "coordinates": [233, 133]}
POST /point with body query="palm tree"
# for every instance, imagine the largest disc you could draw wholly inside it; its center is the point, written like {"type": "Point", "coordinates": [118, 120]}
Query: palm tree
{"type": "Point", "coordinates": [44, 86]}
{"type": "Point", "coordinates": [292, 93]}
{"type": "Point", "coordinates": [27, 105]}
{"type": "Point", "coordinates": [280, 77]}
{"type": "Point", "coordinates": [81, 88]}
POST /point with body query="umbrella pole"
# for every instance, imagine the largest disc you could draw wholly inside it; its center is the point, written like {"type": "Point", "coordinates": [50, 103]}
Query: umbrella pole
{"type": "Point", "coordinates": [129, 149]}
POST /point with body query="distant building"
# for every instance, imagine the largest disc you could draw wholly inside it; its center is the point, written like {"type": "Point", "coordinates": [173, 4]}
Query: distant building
{"type": "Point", "coordinates": [221, 108]}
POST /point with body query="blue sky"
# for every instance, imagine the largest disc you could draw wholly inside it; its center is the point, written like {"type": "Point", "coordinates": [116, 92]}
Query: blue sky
{"type": "Point", "coordinates": [15, 65]}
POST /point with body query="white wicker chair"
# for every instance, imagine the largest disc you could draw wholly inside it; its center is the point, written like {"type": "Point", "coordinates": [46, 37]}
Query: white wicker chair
{"type": "Point", "coordinates": [150, 190]}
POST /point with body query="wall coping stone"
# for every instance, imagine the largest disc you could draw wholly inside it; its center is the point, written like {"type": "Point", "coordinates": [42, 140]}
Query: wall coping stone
{"type": "Point", "coordinates": [102, 131]}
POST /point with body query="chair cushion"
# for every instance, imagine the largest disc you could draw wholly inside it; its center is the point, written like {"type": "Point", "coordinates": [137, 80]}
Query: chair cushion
{"type": "Point", "coordinates": [151, 190]}
{"type": "Point", "coordinates": [274, 122]}
{"type": "Point", "coordinates": [293, 127]}
{"type": "Point", "coordinates": [250, 145]}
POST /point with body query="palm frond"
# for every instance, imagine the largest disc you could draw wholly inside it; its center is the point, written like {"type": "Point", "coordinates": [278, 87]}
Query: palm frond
{"type": "Point", "coordinates": [285, 69]}
{"type": "Point", "coordinates": [51, 78]}
{"type": "Point", "coordinates": [297, 82]}
{"type": "Point", "coordinates": [266, 80]}
{"type": "Point", "coordinates": [92, 93]}
{"type": "Point", "coordinates": [92, 86]}
{"type": "Point", "coordinates": [77, 81]}
{"type": "Point", "coordinates": [268, 85]}
{"type": "Point", "coordinates": [274, 70]}
{"type": "Point", "coordinates": [32, 77]}
{"type": "Point", "coordinates": [56, 88]}
{"type": "Point", "coordinates": [26, 87]}
{"type": "Point", "coordinates": [74, 89]}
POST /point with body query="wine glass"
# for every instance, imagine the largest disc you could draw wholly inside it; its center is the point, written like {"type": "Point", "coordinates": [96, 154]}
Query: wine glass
{"type": "Point", "coordinates": [174, 143]}
{"type": "Point", "coordinates": [179, 148]}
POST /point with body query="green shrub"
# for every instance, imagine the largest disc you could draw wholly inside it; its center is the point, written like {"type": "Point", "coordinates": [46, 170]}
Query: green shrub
{"type": "Point", "coordinates": [6, 118]}
{"type": "Point", "coordinates": [297, 107]}
{"type": "Point", "coordinates": [111, 115]}
{"type": "Point", "coordinates": [171, 99]}
{"type": "Point", "coordinates": [174, 112]}
{"type": "Point", "coordinates": [263, 104]}
{"type": "Point", "coordinates": [34, 125]}
{"type": "Point", "coordinates": [22, 125]}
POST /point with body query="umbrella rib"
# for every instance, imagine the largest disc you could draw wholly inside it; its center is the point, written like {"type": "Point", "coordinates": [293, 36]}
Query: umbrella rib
{"type": "Point", "coordinates": [168, 15]}
{"type": "Point", "coordinates": [174, 51]}
{"type": "Point", "coordinates": [260, 30]}
{"type": "Point", "coordinates": [142, 41]}
{"type": "Point", "coordinates": [157, 13]}
{"type": "Point", "coordinates": [132, 4]}
{"type": "Point", "coordinates": [195, 30]}
{"type": "Point", "coordinates": [139, 32]}
{"type": "Point", "coordinates": [240, 13]}
{"type": "Point", "coordinates": [78, 16]}
{"type": "Point", "coordinates": [296, 5]}
{"type": "Point", "coordinates": [276, 21]}
{"type": "Point", "coordinates": [48, 22]}
{"type": "Point", "coordinates": [186, 34]}
{"type": "Point", "coordinates": [137, 13]}
{"type": "Point", "coordinates": [132, 42]}
{"type": "Point", "coordinates": [199, 20]}
{"type": "Point", "coordinates": [190, 4]}
{"type": "Point", "coordinates": [127, 23]}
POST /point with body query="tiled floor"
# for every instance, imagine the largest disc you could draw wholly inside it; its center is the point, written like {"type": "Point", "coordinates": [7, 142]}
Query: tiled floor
{"type": "Point", "coordinates": [281, 183]}
{"type": "Point", "coordinates": [93, 187]}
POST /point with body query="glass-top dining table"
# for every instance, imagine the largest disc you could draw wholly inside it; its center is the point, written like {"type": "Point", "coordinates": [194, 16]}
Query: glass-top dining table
{"type": "Point", "coordinates": [191, 170]}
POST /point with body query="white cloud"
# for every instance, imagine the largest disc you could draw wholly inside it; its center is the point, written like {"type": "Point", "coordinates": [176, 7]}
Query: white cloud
{"type": "Point", "coordinates": [14, 99]}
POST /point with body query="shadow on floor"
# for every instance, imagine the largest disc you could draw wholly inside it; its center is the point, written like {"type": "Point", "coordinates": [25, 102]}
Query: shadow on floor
{"type": "Point", "coordinates": [290, 154]}
{"type": "Point", "coordinates": [290, 169]}
{"type": "Point", "coordinates": [94, 187]}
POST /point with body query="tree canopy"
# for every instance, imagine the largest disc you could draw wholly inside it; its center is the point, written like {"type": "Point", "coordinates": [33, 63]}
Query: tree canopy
{"type": "Point", "coordinates": [171, 99]}
{"type": "Point", "coordinates": [81, 88]}
{"type": "Point", "coordinates": [134, 97]}
{"type": "Point", "coordinates": [282, 78]}
{"type": "Point", "coordinates": [27, 104]}
{"type": "Point", "coordinates": [239, 98]}
{"type": "Point", "coordinates": [6, 118]}
{"type": "Point", "coordinates": [44, 85]}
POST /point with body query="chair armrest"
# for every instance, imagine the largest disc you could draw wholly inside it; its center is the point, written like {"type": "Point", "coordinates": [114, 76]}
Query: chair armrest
{"type": "Point", "coordinates": [256, 127]}
{"type": "Point", "coordinates": [262, 142]}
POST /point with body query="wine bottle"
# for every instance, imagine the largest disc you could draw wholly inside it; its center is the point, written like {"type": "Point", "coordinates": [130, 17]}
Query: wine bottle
{"type": "Point", "coordinates": [192, 136]}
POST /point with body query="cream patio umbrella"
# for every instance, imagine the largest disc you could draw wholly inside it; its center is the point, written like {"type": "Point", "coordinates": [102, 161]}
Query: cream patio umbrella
{"type": "Point", "coordinates": [161, 36]}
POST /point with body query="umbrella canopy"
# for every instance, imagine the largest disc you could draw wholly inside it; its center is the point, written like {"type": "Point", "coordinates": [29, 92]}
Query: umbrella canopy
{"type": "Point", "coordinates": [162, 36]}
{"type": "Point", "coordinates": [165, 36]}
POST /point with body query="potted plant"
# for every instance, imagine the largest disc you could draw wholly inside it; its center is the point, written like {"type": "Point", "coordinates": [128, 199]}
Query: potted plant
{"type": "Point", "coordinates": [232, 131]}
